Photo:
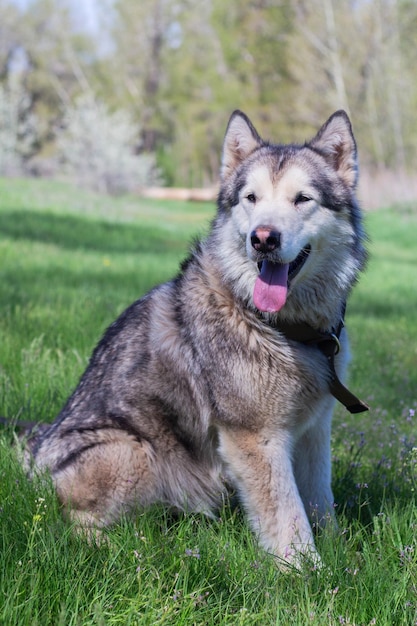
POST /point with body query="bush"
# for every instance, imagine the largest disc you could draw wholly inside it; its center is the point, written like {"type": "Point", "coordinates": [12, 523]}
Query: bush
{"type": "Point", "coordinates": [97, 149]}
{"type": "Point", "coordinates": [18, 129]}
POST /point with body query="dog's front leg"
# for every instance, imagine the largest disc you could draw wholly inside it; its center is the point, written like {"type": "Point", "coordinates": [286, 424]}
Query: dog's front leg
{"type": "Point", "coordinates": [312, 467]}
{"type": "Point", "coordinates": [260, 467]}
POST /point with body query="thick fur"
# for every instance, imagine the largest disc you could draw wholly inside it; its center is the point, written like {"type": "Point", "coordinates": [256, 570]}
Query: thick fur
{"type": "Point", "coordinates": [193, 386]}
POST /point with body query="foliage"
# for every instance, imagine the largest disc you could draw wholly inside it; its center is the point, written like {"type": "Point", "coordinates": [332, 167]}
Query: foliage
{"type": "Point", "coordinates": [179, 68]}
{"type": "Point", "coordinates": [97, 149]}
{"type": "Point", "coordinates": [18, 129]}
{"type": "Point", "coordinates": [70, 261]}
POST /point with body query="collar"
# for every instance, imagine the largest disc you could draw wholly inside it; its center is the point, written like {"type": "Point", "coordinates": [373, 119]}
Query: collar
{"type": "Point", "coordinates": [328, 343]}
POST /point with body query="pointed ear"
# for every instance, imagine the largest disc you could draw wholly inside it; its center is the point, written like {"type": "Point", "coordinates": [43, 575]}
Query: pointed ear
{"type": "Point", "coordinates": [335, 141]}
{"type": "Point", "coordinates": [240, 140]}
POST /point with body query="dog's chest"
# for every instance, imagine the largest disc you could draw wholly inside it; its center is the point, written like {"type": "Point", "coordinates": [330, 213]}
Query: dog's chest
{"type": "Point", "coordinates": [256, 379]}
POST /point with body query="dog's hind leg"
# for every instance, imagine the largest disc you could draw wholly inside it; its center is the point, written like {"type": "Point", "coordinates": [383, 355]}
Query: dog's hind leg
{"type": "Point", "coordinates": [106, 480]}
{"type": "Point", "coordinates": [261, 468]}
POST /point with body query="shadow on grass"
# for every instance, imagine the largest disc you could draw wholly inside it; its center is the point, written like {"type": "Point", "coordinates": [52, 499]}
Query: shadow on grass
{"type": "Point", "coordinates": [52, 282]}
{"type": "Point", "coordinates": [75, 233]}
{"type": "Point", "coordinates": [363, 488]}
{"type": "Point", "coordinates": [377, 307]}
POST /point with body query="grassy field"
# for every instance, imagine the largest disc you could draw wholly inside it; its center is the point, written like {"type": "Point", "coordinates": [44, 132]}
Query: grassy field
{"type": "Point", "coordinates": [70, 261]}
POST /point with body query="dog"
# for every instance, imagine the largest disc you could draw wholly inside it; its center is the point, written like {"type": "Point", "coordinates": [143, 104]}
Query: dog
{"type": "Point", "coordinates": [228, 374]}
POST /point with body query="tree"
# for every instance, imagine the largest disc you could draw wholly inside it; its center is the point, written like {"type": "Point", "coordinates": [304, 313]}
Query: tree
{"type": "Point", "coordinates": [143, 35]}
{"type": "Point", "coordinates": [18, 129]}
{"type": "Point", "coordinates": [231, 56]}
{"type": "Point", "coordinates": [97, 148]}
{"type": "Point", "coordinates": [53, 72]}
{"type": "Point", "coordinates": [353, 55]}
{"type": "Point", "coordinates": [180, 67]}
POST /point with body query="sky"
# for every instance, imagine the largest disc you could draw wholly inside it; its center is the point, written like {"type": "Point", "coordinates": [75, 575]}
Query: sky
{"type": "Point", "coordinates": [84, 12]}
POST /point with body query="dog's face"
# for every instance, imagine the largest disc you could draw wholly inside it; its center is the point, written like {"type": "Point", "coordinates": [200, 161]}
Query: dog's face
{"type": "Point", "coordinates": [291, 204]}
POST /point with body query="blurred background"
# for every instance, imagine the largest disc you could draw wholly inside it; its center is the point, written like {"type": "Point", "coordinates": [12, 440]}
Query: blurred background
{"type": "Point", "coordinates": [120, 95]}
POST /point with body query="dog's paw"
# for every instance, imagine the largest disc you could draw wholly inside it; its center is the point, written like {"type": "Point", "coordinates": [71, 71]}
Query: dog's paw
{"type": "Point", "coordinates": [296, 558]}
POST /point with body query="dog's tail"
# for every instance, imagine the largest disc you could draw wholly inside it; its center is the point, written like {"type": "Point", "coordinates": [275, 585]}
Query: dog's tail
{"type": "Point", "coordinates": [26, 430]}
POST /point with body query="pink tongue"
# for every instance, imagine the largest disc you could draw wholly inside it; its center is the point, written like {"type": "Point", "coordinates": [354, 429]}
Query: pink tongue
{"type": "Point", "coordinates": [270, 291]}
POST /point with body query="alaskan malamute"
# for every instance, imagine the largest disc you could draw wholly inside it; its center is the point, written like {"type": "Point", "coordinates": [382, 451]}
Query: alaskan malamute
{"type": "Point", "coordinates": [229, 372]}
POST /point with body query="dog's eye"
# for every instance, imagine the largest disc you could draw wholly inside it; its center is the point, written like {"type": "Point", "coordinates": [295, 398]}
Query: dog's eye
{"type": "Point", "coordinates": [301, 198]}
{"type": "Point", "coordinates": [251, 197]}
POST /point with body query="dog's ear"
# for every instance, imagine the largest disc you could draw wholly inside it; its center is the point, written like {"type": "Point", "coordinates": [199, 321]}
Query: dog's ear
{"type": "Point", "coordinates": [240, 140]}
{"type": "Point", "coordinates": [335, 141]}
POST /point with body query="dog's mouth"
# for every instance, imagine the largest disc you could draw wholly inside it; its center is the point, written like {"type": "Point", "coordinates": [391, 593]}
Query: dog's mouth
{"type": "Point", "coordinates": [298, 262]}
{"type": "Point", "coordinates": [271, 286]}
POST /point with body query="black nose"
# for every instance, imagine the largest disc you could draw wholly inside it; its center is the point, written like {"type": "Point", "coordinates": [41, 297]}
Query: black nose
{"type": "Point", "coordinates": [264, 239]}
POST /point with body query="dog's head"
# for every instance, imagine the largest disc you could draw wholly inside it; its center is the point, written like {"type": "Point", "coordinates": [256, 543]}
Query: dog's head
{"type": "Point", "coordinates": [294, 206]}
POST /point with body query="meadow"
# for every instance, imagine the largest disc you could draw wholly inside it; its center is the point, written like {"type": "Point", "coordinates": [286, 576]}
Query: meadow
{"type": "Point", "coordinates": [70, 261]}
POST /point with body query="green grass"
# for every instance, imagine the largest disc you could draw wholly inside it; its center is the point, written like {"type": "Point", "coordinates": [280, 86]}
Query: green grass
{"type": "Point", "coordinates": [70, 261]}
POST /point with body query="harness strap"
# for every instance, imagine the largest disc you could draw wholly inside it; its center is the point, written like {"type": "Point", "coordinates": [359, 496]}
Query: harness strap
{"type": "Point", "coordinates": [329, 344]}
